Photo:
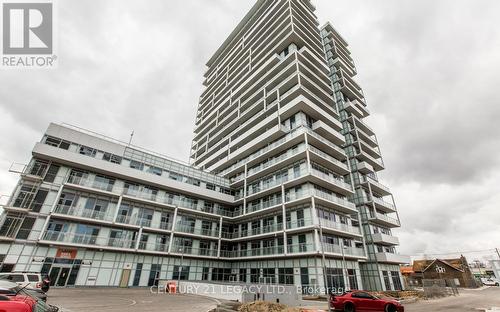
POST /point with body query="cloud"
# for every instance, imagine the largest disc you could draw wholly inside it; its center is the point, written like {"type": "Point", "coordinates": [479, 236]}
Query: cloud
{"type": "Point", "coordinates": [429, 69]}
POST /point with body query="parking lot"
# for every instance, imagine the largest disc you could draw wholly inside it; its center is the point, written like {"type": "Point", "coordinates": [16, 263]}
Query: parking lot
{"type": "Point", "coordinates": [469, 300]}
{"type": "Point", "coordinates": [125, 300]}
{"type": "Point", "coordinates": [140, 299]}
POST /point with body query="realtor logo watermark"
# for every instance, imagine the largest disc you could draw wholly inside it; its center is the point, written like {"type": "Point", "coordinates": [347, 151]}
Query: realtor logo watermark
{"type": "Point", "coordinates": [28, 35]}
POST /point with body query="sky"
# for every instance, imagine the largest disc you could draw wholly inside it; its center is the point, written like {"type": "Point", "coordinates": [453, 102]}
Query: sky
{"type": "Point", "coordinates": [430, 71]}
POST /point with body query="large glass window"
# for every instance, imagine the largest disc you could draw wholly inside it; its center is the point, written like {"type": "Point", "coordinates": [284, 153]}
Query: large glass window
{"type": "Point", "coordinates": [396, 280]}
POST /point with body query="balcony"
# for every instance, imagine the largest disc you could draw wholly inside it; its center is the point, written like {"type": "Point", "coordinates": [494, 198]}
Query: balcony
{"type": "Point", "coordinates": [291, 156]}
{"type": "Point", "coordinates": [254, 252]}
{"type": "Point", "coordinates": [384, 239]}
{"type": "Point", "coordinates": [264, 205]}
{"type": "Point", "coordinates": [369, 140]}
{"type": "Point", "coordinates": [365, 167]}
{"type": "Point", "coordinates": [90, 183]}
{"type": "Point", "coordinates": [377, 164]}
{"type": "Point", "coordinates": [267, 229]}
{"type": "Point", "coordinates": [392, 258]}
{"type": "Point", "coordinates": [328, 161]}
{"type": "Point", "coordinates": [189, 229]}
{"type": "Point", "coordinates": [331, 182]}
{"type": "Point", "coordinates": [299, 223]}
{"type": "Point", "coordinates": [347, 252]}
{"type": "Point", "coordinates": [353, 109]}
{"type": "Point", "coordinates": [328, 132]}
{"type": "Point", "coordinates": [363, 126]}
{"type": "Point", "coordinates": [88, 240]}
{"type": "Point", "coordinates": [338, 227]}
{"type": "Point", "coordinates": [327, 145]}
{"type": "Point", "coordinates": [377, 187]}
{"type": "Point", "coordinates": [184, 250]}
{"type": "Point", "coordinates": [287, 141]}
{"type": "Point", "coordinates": [300, 248]}
{"type": "Point", "coordinates": [361, 106]}
{"type": "Point", "coordinates": [383, 205]}
{"type": "Point", "coordinates": [374, 152]}
{"type": "Point", "coordinates": [80, 212]}
{"type": "Point", "coordinates": [157, 247]}
{"type": "Point", "coordinates": [385, 220]}
{"type": "Point", "coordinates": [331, 200]}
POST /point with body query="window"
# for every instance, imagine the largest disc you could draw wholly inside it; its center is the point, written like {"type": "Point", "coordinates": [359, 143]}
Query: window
{"type": "Point", "coordinates": [87, 151]}
{"type": "Point", "coordinates": [285, 276]}
{"type": "Point", "coordinates": [32, 278]}
{"type": "Point", "coordinates": [204, 274]}
{"type": "Point", "coordinates": [362, 295]}
{"type": "Point", "coordinates": [387, 282]}
{"type": "Point", "coordinates": [136, 165]}
{"type": "Point", "coordinates": [254, 275]}
{"type": "Point", "coordinates": [38, 168]}
{"type": "Point", "coordinates": [154, 275]}
{"type": "Point", "coordinates": [184, 274]}
{"type": "Point", "coordinates": [243, 275]}
{"type": "Point", "coordinates": [25, 196]}
{"type": "Point", "coordinates": [16, 278]}
{"type": "Point", "coordinates": [155, 170]}
{"type": "Point", "coordinates": [57, 142]}
{"type": "Point", "coordinates": [353, 282]}
{"type": "Point", "coordinates": [26, 227]}
{"type": "Point", "coordinates": [137, 275]}
{"type": "Point", "coordinates": [112, 158]}
{"type": "Point", "coordinates": [51, 173]}
{"type": "Point", "coordinates": [174, 176]}
{"type": "Point", "coordinates": [396, 280]}
{"type": "Point", "coordinates": [335, 280]}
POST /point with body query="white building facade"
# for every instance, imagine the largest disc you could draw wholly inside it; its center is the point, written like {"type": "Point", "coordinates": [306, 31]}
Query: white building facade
{"type": "Point", "coordinates": [281, 189]}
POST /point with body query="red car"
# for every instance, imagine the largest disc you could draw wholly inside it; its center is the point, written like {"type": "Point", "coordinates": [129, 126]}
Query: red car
{"type": "Point", "coordinates": [14, 298]}
{"type": "Point", "coordinates": [361, 301]}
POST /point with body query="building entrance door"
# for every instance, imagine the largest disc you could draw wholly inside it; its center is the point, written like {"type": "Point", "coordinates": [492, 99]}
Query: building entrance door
{"type": "Point", "coordinates": [125, 278]}
{"type": "Point", "coordinates": [59, 275]}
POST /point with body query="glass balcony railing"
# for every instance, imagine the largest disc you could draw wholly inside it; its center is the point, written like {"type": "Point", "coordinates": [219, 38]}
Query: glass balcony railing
{"type": "Point", "coordinates": [347, 250]}
{"type": "Point", "coordinates": [385, 218]}
{"type": "Point", "coordinates": [339, 226]}
{"type": "Point", "coordinates": [300, 248]}
{"type": "Point", "coordinates": [187, 228]}
{"type": "Point", "coordinates": [289, 136]}
{"type": "Point", "coordinates": [160, 247]}
{"type": "Point", "coordinates": [209, 252]}
{"type": "Point", "coordinates": [263, 205]}
{"type": "Point", "coordinates": [85, 239]}
{"type": "Point", "coordinates": [384, 203]}
{"type": "Point", "coordinates": [91, 183]}
{"type": "Point", "coordinates": [153, 196]}
{"type": "Point", "coordinates": [333, 198]}
{"type": "Point", "coordinates": [276, 160]}
{"type": "Point", "coordinates": [255, 231]}
{"type": "Point", "coordinates": [276, 182]}
{"type": "Point", "coordinates": [330, 158]}
{"type": "Point", "coordinates": [325, 141]}
{"type": "Point", "coordinates": [330, 178]}
{"type": "Point", "coordinates": [106, 215]}
{"type": "Point", "coordinates": [298, 223]}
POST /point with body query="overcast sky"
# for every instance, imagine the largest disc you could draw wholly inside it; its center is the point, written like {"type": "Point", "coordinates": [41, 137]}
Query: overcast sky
{"type": "Point", "coordinates": [430, 72]}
